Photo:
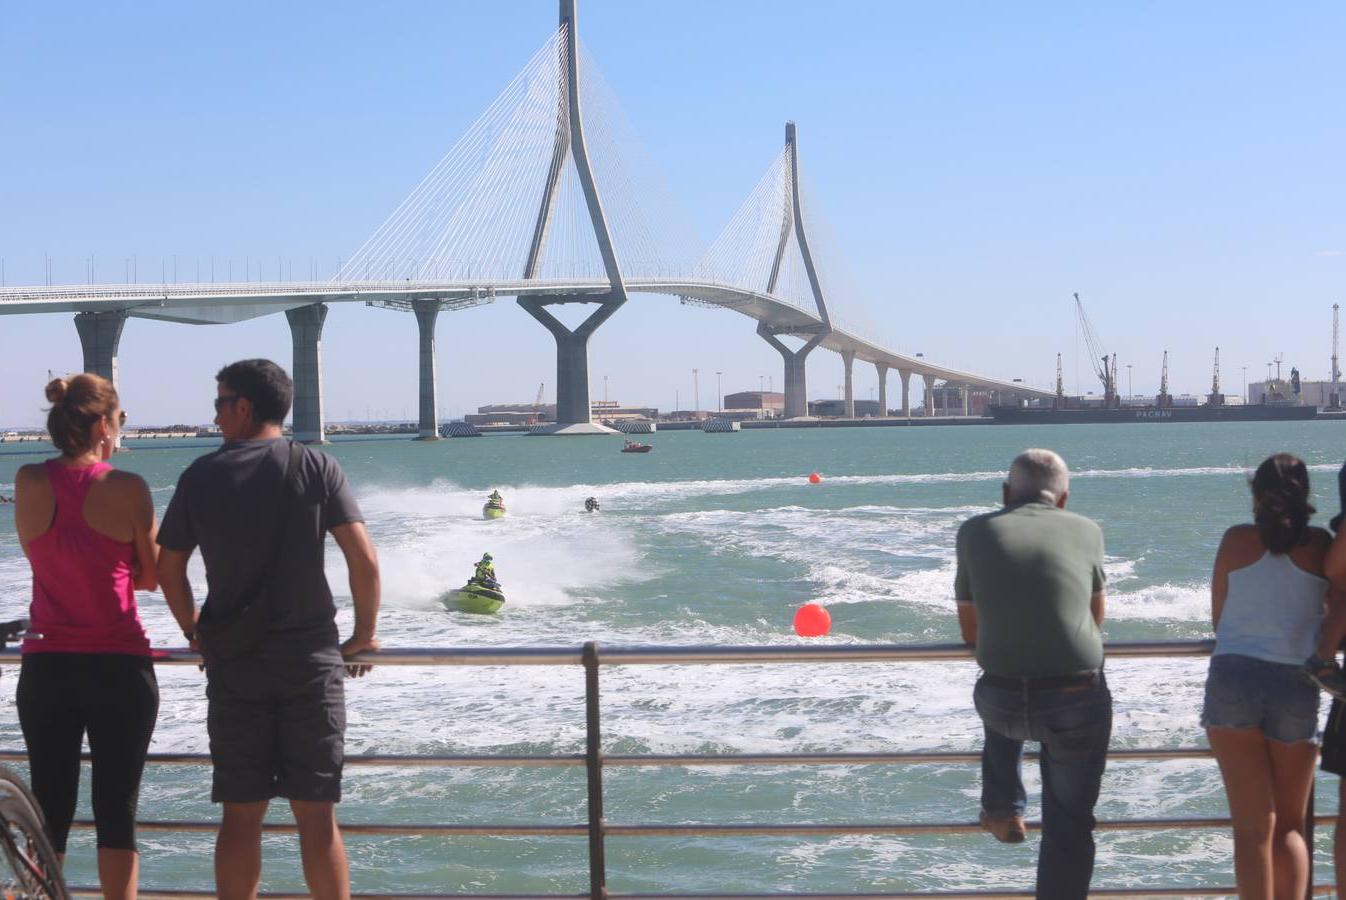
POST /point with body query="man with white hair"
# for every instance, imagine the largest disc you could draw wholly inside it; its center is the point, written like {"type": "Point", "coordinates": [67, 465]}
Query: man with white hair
{"type": "Point", "coordinates": [1029, 589]}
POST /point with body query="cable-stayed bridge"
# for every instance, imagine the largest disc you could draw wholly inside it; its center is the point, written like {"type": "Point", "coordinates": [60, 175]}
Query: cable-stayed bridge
{"type": "Point", "coordinates": [549, 199]}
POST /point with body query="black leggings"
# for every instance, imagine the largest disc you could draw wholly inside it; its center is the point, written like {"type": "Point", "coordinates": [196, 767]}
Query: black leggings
{"type": "Point", "coordinates": [115, 698]}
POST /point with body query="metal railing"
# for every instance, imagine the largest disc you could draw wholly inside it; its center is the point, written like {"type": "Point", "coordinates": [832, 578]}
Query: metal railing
{"type": "Point", "coordinates": [597, 829]}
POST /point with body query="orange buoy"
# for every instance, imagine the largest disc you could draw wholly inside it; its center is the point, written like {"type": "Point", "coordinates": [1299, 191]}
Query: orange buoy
{"type": "Point", "coordinates": [812, 620]}
{"type": "Point", "coordinates": [815, 478]}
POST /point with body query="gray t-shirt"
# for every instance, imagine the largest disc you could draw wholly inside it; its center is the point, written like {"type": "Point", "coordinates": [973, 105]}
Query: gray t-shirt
{"type": "Point", "coordinates": [1031, 570]}
{"type": "Point", "coordinates": [227, 502]}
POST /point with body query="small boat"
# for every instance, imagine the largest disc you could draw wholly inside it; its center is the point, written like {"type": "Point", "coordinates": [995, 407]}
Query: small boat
{"type": "Point", "coordinates": [637, 447]}
{"type": "Point", "coordinates": [493, 511]}
{"type": "Point", "coordinates": [474, 598]}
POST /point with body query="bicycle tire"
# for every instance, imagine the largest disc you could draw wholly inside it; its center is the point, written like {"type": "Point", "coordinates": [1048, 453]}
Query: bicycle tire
{"type": "Point", "coordinates": [28, 864]}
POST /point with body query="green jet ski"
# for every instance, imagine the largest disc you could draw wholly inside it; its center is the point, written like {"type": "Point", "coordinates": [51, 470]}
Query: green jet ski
{"type": "Point", "coordinates": [495, 506]}
{"type": "Point", "coordinates": [475, 597]}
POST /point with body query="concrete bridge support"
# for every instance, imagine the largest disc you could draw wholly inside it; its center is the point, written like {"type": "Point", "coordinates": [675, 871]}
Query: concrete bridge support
{"type": "Point", "coordinates": [306, 337]}
{"type": "Point", "coordinates": [848, 360]}
{"type": "Point", "coordinates": [100, 333]}
{"type": "Point", "coordinates": [796, 380]}
{"type": "Point", "coordinates": [905, 375]}
{"type": "Point", "coordinates": [883, 389]}
{"type": "Point", "coordinates": [427, 311]}
{"type": "Point", "coordinates": [572, 362]}
{"type": "Point", "coordinates": [929, 394]}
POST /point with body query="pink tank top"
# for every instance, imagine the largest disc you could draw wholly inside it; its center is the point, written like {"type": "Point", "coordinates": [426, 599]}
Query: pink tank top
{"type": "Point", "coordinates": [84, 598]}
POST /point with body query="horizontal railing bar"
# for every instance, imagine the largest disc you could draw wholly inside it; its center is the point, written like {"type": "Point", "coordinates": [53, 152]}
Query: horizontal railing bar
{"type": "Point", "coordinates": [154, 893]}
{"type": "Point", "coordinates": [870, 759]}
{"type": "Point", "coordinates": [670, 759]}
{"type": "Point", "coordinates": [170, 894]}
{"type": "Point", "coordinates": [688, 655]}
{"type": "Point", "coordinates": [1318, 891]}
{"type": "Point", "coordinates": [382, 760]}
{"type": "Point", "coordinates": [200, 827]}
{"type": "Point", "coordinates": [758, 829]}
{"type": "Point", "coordinates": [910, 829]}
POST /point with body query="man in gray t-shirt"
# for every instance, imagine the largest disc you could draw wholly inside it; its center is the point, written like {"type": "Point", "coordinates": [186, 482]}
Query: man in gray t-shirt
{"type": "Point", "coordinates": [277, 710]}
{"type": "Point", "coordinates": [1029, 589]}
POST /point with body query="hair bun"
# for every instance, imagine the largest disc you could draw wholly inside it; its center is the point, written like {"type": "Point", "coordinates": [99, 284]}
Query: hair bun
{"type": "Point", "coordinates": [56, 390]}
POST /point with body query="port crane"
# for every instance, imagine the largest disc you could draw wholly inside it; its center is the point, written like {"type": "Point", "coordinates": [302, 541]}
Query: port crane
{"type": "Point", "coordinates": [1105, 367]}
{"type": "Point", "coordinates": [1164, 400]}
{"type": "Point", "coordinates": [1060, 401]}
{"type": "Point", "coordinates": [1335, 400]}
{"type": "Point", "coordinates": [1215, 398]}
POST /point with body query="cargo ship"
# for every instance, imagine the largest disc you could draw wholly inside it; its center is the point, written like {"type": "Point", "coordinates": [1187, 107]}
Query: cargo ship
{"type": "Point", "coordinates": [1259, 412]}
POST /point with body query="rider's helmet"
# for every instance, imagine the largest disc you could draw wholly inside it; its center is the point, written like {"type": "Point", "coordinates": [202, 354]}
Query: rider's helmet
{"type": "Point", "coordinates": [486, 557]}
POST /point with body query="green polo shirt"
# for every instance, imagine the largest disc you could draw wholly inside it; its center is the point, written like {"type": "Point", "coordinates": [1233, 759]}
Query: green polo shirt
{"type": "Point", "coordinates": [1030, 570]}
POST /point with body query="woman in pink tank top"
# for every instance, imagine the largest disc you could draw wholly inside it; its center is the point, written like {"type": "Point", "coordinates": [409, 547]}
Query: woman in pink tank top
{"type": "Point", "coordinates": [88, 532]}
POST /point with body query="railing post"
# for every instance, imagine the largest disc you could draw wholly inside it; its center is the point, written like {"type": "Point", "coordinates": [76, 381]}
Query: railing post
{"type": "Point", "coordinates": [593, 765]}
{"type": "Point", "coordinates": [1308, 835]}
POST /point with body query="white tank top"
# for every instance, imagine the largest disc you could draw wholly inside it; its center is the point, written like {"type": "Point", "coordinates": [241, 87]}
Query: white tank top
{"type": "Point", "coordinates": [1274, 611]}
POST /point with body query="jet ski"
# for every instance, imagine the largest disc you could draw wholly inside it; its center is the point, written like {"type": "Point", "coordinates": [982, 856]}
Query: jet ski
{"type": "Point", "coordinates": [493, 510]}
{"type": "Point", "coordinates": [591, 505]}
{"type": "Point", "coordinates": [475, 597]}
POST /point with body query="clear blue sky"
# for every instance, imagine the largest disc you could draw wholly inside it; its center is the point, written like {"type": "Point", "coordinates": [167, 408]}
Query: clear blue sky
{"type": "Point", "coordinates": [1180, 165]}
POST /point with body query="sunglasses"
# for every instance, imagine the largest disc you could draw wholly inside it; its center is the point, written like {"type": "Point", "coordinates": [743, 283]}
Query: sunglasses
{"type": "Point", "coordinates": [221, 401]}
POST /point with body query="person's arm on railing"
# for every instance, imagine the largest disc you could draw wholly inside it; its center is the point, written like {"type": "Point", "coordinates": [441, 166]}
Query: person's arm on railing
{"type": "Point", "coordinates": [362, 562]}
{"type": "Point", "coordinates": [1219, 580]}
{"type": "Point", "coordinates": [1097, 606]}
{"type": "Point", "coordinates": [144, 531]}
{"type": "Point", "coordinates": [172, 569]}
{"type": "Point", "coordinates": [1334, 623]}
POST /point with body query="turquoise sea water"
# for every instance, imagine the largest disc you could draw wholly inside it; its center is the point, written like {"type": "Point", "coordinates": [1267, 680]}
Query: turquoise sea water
{"type": "Point", "coordinates": [716, 539]}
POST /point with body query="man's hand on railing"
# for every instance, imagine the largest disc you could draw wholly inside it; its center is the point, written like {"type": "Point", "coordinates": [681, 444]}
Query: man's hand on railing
{"type": "Point", "coordinates": [358, 644]}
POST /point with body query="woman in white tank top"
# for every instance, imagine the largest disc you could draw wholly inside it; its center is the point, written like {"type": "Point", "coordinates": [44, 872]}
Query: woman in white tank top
{"type": "Point", "coordinates": [1268, 599]}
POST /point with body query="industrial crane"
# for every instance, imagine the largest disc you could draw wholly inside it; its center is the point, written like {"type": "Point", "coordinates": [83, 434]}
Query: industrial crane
{"type": "Point", "coordinates": [1105, 367]}
{"type": "Point", "coordinates": [1216, 398]}
{"type": "Point", "coordinates": [1060, 401]}
{"type": "Point", "coordinates": [1163, 400]}
{"type": "Point", "coordinates": [1335, 400]}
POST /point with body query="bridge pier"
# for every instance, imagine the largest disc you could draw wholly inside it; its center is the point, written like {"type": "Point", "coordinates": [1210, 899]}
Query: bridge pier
{"type": "Point", "coordinates": [965, 390]}
{"type": "Point", "coordinates": [306, 338]}
{"type": "Point", "coordinates": [848, 360]}
{"type": "Point", "coordinates": [572, 364]}
{"type": "Point", "coordinates": [100, 333]}
{"type": "Point", "coordinates": [905, 375]}
{"type": "Point", "coordinates": [929, 394]}
{"type": "Point", "coordinates": [883, 389]}
{"type": "Point", "coordinates": [427, 312]}
{"type": "Point", "coordinates": [796, 379]}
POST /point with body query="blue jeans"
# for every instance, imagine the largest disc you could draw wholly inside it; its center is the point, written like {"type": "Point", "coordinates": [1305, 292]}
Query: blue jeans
{"type": "Point", "coordinates": [1074, 725]}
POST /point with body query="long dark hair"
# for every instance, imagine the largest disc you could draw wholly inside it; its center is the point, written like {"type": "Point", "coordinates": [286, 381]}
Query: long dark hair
{"type": "Point", "coordinates": [1281, 506]}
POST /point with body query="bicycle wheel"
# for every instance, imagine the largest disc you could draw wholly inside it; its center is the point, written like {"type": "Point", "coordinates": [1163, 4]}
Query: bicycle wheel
{"type": "Point", "coordinates": [28, 865]}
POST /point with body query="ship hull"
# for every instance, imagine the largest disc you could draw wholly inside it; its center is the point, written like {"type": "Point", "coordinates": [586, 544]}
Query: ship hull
{"type": "Point", "coordinates": [1015, 415]}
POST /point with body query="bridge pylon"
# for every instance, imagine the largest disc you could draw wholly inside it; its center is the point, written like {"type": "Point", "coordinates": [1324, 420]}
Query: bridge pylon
{"type": "Point", "coordinates": [792, 220]}
{"type": "Point", "coordinates": [573, 411]}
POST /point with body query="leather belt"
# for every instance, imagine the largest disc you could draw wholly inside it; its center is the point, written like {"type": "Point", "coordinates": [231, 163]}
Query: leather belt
{"type": "Point", "coordinates": [1043, 682]}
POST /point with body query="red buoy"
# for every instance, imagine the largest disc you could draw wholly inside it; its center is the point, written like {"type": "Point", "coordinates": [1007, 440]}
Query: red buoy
{"type": "Point", "coordinates": [812, 620]}
{"type": "Point", "coordinates": [815, 478]}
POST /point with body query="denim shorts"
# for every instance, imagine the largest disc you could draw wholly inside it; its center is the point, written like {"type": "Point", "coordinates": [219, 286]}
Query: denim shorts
{"type": "Point", "coordinates": [1243, 692]}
